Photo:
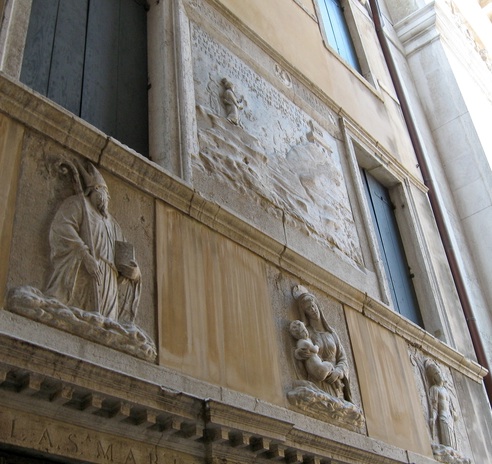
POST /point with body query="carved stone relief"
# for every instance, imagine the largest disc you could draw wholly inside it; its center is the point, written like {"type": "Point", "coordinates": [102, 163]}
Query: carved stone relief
{"type": "Point", "coordinates": [233, 103]}
{"type": "Point", "coordinates": [95, 283]}
{"type": "Point", "coordinates": [277, 157]}
{"type": "Point", "coordinates": [323, 386]}
{"type": "Point", "coordinates": [468, 33]}
{"type": "Point", "coordinates": [442, 411]}
{"type": "Point", "coordinates": [283, 75]}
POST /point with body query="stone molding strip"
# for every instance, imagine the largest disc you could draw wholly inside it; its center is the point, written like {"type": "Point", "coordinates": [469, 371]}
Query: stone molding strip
{"type": "Point", "coordinates": [79, 393]}
{"type": "Point", "coordinates": [40, 114]}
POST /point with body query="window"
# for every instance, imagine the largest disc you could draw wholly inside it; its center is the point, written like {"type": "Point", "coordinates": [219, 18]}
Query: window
{"type": "Point", "coordinates": [90, 56]}
{"type": "Point", "coordinates": [391, 248]}
{"type": "Point", "coordinates": [336, 32]}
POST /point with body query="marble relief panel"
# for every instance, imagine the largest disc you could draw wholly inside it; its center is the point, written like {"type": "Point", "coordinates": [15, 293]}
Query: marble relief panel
{"type": "Point", "coordinates": [73, 265]}
{"type": "Point", "coordinates": [441, 408]}
{"type": "Point", "coordinates": [256, 141]}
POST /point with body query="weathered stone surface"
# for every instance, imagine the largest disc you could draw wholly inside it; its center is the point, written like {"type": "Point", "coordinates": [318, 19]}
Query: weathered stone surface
{"type": "Point", "coordinates": [127, 337]}
{"type": "Point", "coordinates": [388, 387]}
{"type": "Point", "coordinates": [67, 440]}
{"type": "Point", "coordinates": [441, 407]}
{"type": "Point", "coordinates": [215, 315]}
{"type": "Point", "coordinates": [11, 135]}
{"type": "Point", "coordinates": [324, 389]}
{"type": "Point", "coordinates": [291, 164]}
{"type": "Point", "coordinates": [317, 403]}
{"type": "Point", "coordinates": [95, 284]}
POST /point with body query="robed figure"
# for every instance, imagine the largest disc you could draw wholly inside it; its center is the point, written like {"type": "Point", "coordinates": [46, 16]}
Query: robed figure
{"type": "Point", "coordinates": [443, 414]}
{"type": "Point", "coordinates": [93, 267]}
{"type": "Point", "coordinates": [330, 350]}
{"type": "Point", "coordinates": [322, 388]}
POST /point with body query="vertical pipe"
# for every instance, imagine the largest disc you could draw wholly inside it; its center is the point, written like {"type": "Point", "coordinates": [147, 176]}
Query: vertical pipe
{"type": "Point", "coordinates": [434, 201]}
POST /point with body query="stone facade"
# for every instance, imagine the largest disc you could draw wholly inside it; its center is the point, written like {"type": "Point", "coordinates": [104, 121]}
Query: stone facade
{"type": "Point", "coordinates": [250, 214]}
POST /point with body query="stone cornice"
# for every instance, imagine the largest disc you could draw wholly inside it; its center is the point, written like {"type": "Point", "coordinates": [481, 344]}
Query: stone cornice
{"type": "Point", "coordinates": [82, 394]}
{"type": "Point", "coordinates": [463, 43]}
{"type": "Point", "coordinates": [417, 30]}
{"type": "Point", "coordinates": [441, 20]}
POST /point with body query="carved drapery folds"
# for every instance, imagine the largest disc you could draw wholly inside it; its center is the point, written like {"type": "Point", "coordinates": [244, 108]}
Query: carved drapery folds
{"type": "Point", "coordinates": [95, 284]}
{"type": "Point", "coordinates": [442, 416]}
{"type": "Point", "coordinates": [232, 102]}
{"type": "Point", "coordinates": [441, 408]}
{"type": "Point", "coordinates": [323, 388]}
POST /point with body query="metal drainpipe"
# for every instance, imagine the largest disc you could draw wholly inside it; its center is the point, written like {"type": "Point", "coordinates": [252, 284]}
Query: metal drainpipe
{"type": "Point", "coordinates": [435, 204]}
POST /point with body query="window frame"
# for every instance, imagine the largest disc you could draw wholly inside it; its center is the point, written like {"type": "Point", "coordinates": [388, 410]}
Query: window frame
{"type": "Point", "coordinates": [351, 24]}
{"type": "Point", "coordinates": [105, 81]}
{"type": "Point", "coordinates": [170, 86]}
{"type": "Point", "coordinates": [406, 192]}
{"type": "Point", "coordinates": [394, 258]}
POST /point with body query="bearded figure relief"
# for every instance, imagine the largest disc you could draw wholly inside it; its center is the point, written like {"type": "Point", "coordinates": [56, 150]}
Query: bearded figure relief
{"type": "Point", "coordinates": [95, 285]}
{"type": "Point", "coordinates": [90, 257]}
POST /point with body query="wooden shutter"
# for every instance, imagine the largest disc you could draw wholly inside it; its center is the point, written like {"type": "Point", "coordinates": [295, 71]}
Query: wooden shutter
{"type": "Point", "coordinates": [392, 252]}
{"type": "Point", "coordinates": [90, 56]}
{"type": "Point", "coordinates": [337, 32]}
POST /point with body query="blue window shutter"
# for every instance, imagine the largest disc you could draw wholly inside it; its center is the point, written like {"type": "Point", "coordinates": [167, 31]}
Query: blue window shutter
{"type": "Point", "coordinates": [337, 31]}
{"type": "Point", "coordinates": [327, 18]}
{"type": "Point", "coordinates": [39, 46]}
{"type": "Point", "coordinates": [392, 252]}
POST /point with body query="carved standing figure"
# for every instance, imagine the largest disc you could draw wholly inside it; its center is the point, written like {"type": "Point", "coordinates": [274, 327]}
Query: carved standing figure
{"type": "Point", "coordinates": [322, 387]}
{"type": "Point", "coordinates": [233, 104]}
{"type": "Point", "coordinates": [93, 266]}
{"type": "Point", "coordinates": [336, 382]}
{"type": "Point", "coordinates": [442, 411]}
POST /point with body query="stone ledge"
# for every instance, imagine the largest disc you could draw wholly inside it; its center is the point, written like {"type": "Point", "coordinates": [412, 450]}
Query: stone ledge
{"type": "Point", "coordinates": [418, 29]}
{"type": "Point", "coordinates": [46, 117]}
{"type": "Point", "coordinates": [42, 115]}
{"type": "Point", "coordinates": [62, 388]}
{"type": "Point", "coordinates": [419, 338]}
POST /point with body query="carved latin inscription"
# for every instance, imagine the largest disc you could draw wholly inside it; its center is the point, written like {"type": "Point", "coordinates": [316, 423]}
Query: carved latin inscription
{"type": "Point", "coordinates": [270, 117]}
{"type": "Point", "coordinates": [59, 439]}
